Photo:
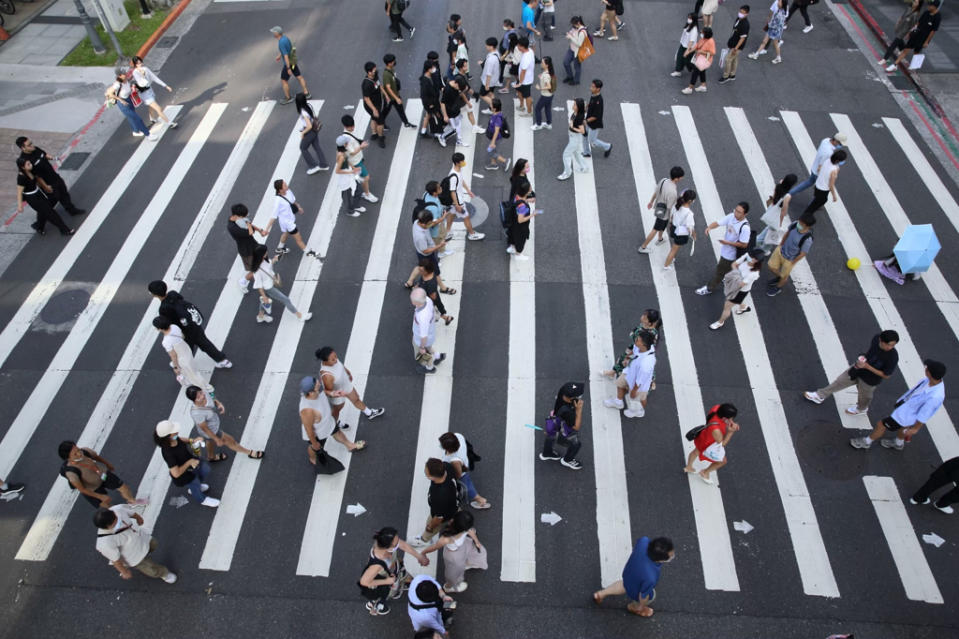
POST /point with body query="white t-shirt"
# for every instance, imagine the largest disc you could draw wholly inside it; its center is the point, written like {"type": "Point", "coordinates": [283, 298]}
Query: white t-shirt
{"type": "Point", "coordinates": [424, 324]}
{"type": "Point", "coordinates": [459, 455]}
{"type": "Point", "coordinates": [823, 153]}
{"type": "Point", "coordinates": [527, 62]}
{"type": "Point", "coordinates": [683, 220]}
{"type": "Point", "coordinates": [461, 195]}
{"type": "Point", "coordinates": [748, 274]}
{"type": "Point", "coordinates": [824, 175]}
{"type": "Point", "coordinates": [173, 339]}
{"type": "Point", "coordinates": [736, 231]}
{"type": "Point", "coordinates": [688, 38]}
{"type": "Point", "coordinates": [283, 211]}
{"type": "Point", "coordinates": [132, 545]}
{"type": "Point", "coordinates": [640, 371]}
{"type": "Point", "coordinates": [263, 276]}
{"type": "Point", "coordinates": [352, 146]}
{"type": "Point", "coordinates": [424, 618]}
{"type": "Point", "coordinates": [491, 70]}
{"type": "Point", "coordinates": [304, 121]}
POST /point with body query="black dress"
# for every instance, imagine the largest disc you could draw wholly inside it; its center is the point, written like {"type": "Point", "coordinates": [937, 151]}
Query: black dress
{"type": "Point", "coordinates": [39, 202]}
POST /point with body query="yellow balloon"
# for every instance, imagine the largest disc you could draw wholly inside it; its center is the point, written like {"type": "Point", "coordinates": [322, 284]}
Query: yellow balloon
{"type": "Point", "coordinates": [853, 263]}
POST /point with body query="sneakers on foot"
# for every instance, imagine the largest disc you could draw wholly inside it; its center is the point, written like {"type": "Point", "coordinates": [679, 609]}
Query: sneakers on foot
{"type": "Point", "coordinates": [675, 74]}
{"type": "Point", "coordinates": [854, 410]}
{"type": "Point", "coordinates": [687, 91]}
{"type": "Point", "coordinates": [509, 163]}
{"type": "Point", "coordinates": [564, 176]}
{"type": "Point", "coordinates": [893, 442]}
{"type": "Point", "coordinates": [378, 608]}
{"type": "Point", "coordinates": [418, 542]}
{"type": "Point", "coordinates": [224, 364]}
{"type": "Point", "coordinates": [286, 100]}
{"type": "Point", "coordinates": [412, 32]}
{"type": "Point", "coordinates": [475, 236]}
{"type": "Point", "coordinates": [944, 509]}
{"type": "Point", "coordinates": [510, 249]}
{"type": "Point", "coordinates": [814, 397]}
{"type": "Point", "coordinates": [11, 489]}
{"type": "Point", "coordinates": [439, 358]}
{"type": "Point", "coordinates": [170, 577]}
{"type": "Point", "coordinates": [807, 29]}
{"type": "Point", "coordinates": [573, 465]}
{"type": "Point", "coordinates": [643, 249]}
{"type": "Point", "coordinates": [777, 60]}
{"type": "Point", "coordinates": [754, 55]}
{"type": "Point", "coordinates": [204, 487]}
{"type": "Point", "coordinates": [306, 317]}
{"type": "Point", "coordinates": [487, 112]}
{"type": "Point", "coordinates": [210, 502]}
{"type": "Point", "coordinates": [913, 501]}
{"type": "Point", "coordinates": [553, 457]}
{"type": "Point", "coordinates": [860, 442]}
{"type": "Point", "coordinates": [369, 197]}
{"type": "Point", "coordinates": [397, 39]}
{"type": "Point", "coordinates": [375, 412]}
{"type": "Point", "coordinates": [479, 129]}
{"type": "Point", "coordinates": [700, 89]}
{"type": "Point", "coordinates": [612, 402]}
{"type": "Point", "coordinates": [264, 319]}
{"type": "Point", "coordinates": [152, 137]}
{"type": "Point", "coordinates": [641, 412]}
{"type": "Point", "coordinates": [313, 170]}
{"type": "Point", "coordinates": [891, 68]}
{"type": "Point", "coordinates": [716, 326]}
{"type": "Point", "coordinates": [773, 292]}
{"type": "Point", "coordinates": [670, 267]}
{"type": "Point", "coordinates": [703, 290]}
{"type": "Point", "coordinates": [353, 213]}
{"type": "Point", "coordinates": [138, 134]}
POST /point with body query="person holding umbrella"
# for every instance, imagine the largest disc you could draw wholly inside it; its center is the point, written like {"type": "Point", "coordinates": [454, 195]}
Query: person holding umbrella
{"type": "Point", "coordinates": [912, 255]}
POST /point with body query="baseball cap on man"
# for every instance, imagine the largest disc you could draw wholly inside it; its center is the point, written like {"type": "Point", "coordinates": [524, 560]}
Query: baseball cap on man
{"type": "Point", "coordinates": [167, 428]}
{"type": "Point", "coordinates": [573, 390]}
{"type": "Point", "coordinates": [277, 30]}
{"type": "Point", "coordinates": [839, 137]}
{"type": "Point", "coordinates": [307, 384]}
{"type": "Point", "coordinates": [936, 369]}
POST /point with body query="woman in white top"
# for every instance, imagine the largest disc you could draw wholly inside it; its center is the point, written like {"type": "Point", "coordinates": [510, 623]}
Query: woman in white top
{"type": "Point", "coordinates": [826, 181]}
{"type": "Point", "coordinates": [774, 31]}
{"type": "Point", "coordinates": [181, 356]}
{"type": "Point", "coordinates": [776, 217]}
{"type": "Point", "coordinates": [338, 386]}
{"type": "Point", "coordinates": [144, 79]}
{"type": "Point", "coordinates": [572, 157]}
{"type": "Point", "coordinates": [462, 551]}
{"type": "Point", "coordinates": [118, 93]}
{"type": "Point", "coordinates": [737, 284]}
{"type": "Point", "coordinates": [547, 87]}
{"type": "Point", "coordinates": [264, 280]}
{"type": "Point", "coordinates": [683, 226]}
{"type": "Point", "coordinates": [687, 40]}
{"type": "Point", "coordinates": [309, 129]}
{"type": "Point", "coordinates": [456, 453]}
{"type": "Point", "coordinates": [511, 57]}
{"type": "Point", "coordinates": [709, 8]}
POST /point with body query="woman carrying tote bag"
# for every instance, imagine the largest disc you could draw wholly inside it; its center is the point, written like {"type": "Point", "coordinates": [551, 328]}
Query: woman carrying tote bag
{"type": "Point", "coordinates": [703, 54]}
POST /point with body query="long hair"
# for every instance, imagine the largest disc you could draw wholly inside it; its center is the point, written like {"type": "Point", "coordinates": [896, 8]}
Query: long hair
{"type": "Point", "coordinates": [259, 254]}
{"type": "Point", "coordinates": [782, 188]}
{"type": "Point", "coordinates": [548, 61]}
{"type": "Point", "coordinates": [303, 105]}
{"type": "Point", "coordinates": [580, 106]}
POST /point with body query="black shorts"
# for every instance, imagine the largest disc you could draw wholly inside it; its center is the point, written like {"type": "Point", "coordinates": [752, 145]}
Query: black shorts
{"type": "Point", "coordinates": [739, 297]}
{"type": "Point", "coordinates": [336, 429]}
{"type": "Point", "coordinates": [293, 231]}
{"type": "Point", "coordinates": [915, 42]}
{"type": "Point", "coordinates": [524, 90]}
{"type": "Point", "coordinates": [660, 224]}
{"type": "Point", "coordinates": [680, 240]}
{"type": "Point", "coordinates": [484, 91]}
{"type": "Point", "coordinates": [285, 75]}
{"type": "Point", "coordinates": [891, 424]}
{"type": "Point", "coordinates": [514, 69]}
{"type": "Point", "coordinates": [381, 118]}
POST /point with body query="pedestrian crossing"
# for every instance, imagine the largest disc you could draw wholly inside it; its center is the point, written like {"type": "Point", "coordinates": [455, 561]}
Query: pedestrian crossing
{"type": "Point", "coordinates": [817, 558]}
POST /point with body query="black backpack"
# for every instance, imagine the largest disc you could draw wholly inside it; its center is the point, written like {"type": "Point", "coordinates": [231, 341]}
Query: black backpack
{"type": "Point", "coordinates": [471, 456]}
{"type": "Point", "coordinates": [504, 130]}
{"type": "Point", "coordinates": [750, 243]}
{"type": "Point", "coordinates": [446, 190]}
{"type": "Point", "coordinates": [803, 236]}
{"type": "Point", "coordinates": [419, 205]}
{"type": "Point", "coordinates": [507, 214]}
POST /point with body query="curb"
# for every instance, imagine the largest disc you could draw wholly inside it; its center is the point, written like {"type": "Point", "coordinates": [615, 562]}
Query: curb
{"type": "Point", "coordinates": [169, 20]}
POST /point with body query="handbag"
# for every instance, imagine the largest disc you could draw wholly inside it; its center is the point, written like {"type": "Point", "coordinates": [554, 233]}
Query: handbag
{"type": "Point", "coordinates": [659, 209]}
{"type": "Point", "coordinates": [327, 464]}
{"type": "Point", "coordinates": [136, 100]}
{"type": "Point", "coordinates": [693, 433]}
{"type": "Point", "coordinates": [771, 217]}
{"type": "Point", "coordinates": [732, 282]}
{"type": "Point", "coordinates": [586, 49]}
{"type": "Point", "coordinates": [700, 59]}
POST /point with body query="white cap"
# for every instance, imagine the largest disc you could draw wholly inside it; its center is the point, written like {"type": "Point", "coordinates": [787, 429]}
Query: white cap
{"type": "Point", "coordinates": [167, 428]}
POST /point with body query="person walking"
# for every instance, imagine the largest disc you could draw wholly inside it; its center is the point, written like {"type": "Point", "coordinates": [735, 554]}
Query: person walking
{"type": "Point", "coordinates": [563, 426]}
{"type": "Point", "coordinates": [709, 8]}
{"type": "Point", "coordinates": [921, 34]}
{"type": "Point", "coordinates": [33, 190]}
{"type": "Point", "coordinates": [394, 10]}
{"type": "Point", "coordinates": [547, 88]}
{"type": "Point", "coordinates": [384, 576]}
{"type": "Point", "coordinates": [641, 575]}
{"type": "Point", "coordinates": [187, 470]}
{"type": "Point", "coordinates": [774, 33]}
{"type": "Point", "coordinates": [338, 386]}
{"type": "Point", "coordinates": [205, 411]}
{"type": "Point", "coordinates": [354, 152]}
{"type": "Point", "coordinates": [572, 154]}
{"type": "Point", "coordinates": [866, 373]}
{"type": "Point", "coordinates": [651, 322]}
{"type": "Point", "coordinates": [285, 210]}
{"type": "Point", "coordinates": [737, 283]}
{"type": "Point", "coordinates": [92, 476]}
{"type": "Point", "coordinates": [430, 608]}
{"type": "Point", "coordinates": [527, 76]}
{"type": "Point", "coordinates": [267, 282]}
{"type": "Point", "coordinates": [125, 544]}
{"type": "Point", "coordinates": [429, 282]}
{"type": "Point", "coordinates": [663, 203]}
{"type": "Point", "coordinates": [702, 56]}
{"type": "Point", "coordinates": [946, 474]}
{"type": "Point", "coordinates": [594, 121]}
{"type": "Point", "coordinates": [733, 244]}
{"type": "Point", "coordinates": [490, 75]}
{"type": "Point", "coordinates": [290, 66]}
{"type": "Point", "coordinates": [346, 176]}
{"type": "Point", "coordinates": [10, 489]}
{"type": "Point", "coordinates": [391, 91]}
{"type": "Point", "coordinates": [375, 102]}
{"type": "Point", "coordinates": [682, 227]}
{"type": "Point", "coordinates": [181, 356]}
{"type": "Point", "coordinates": [460, 195]}
{"type": "Point", "coordinates": [316, 417]}
{"type": "Point", "coordinates": [309, 127]}
{"type": "Point", "coordinates": [120, 93]}
{"type": "Point", "coordinates": [794, 247]}
{"type": "Point", "coordinates": [612, 9]}
{"type": "Point", "coordinates": [687, 43]}
{"type": "Point", "coordinates": [913, 410]}
{"type": "Point", "coordinates": [144, 79]}
{"type": "Point", "coordinates": [826, 182]}
{"type": "Point", "coordinates": [462, 551]}
{"type": "Point", "coordinates": [188, 318]}
{"type": "Point", "coordinates": [735, 44]}
{"type": "Point", "coordinates": [827, 146]}
{"type": "Point", "coordinates": [711, 441]}
{"type": "Point", "coordinates": [425, 246]}
{"type": "Point", "coordinates": [241, 229]}
{"type": "Point", "coordinates": [904, 26]}
{"type": "Point", "coordinates": [458, 453]}
{"type": "Point", "coordinates": [803, 7]}
{"type": "Point", "coordinates": [632, 385]}
{"type": "Point", "coordinates": [442, 497]}
{"type": "Point", "coordinates": [43, 169]}
{"type": "Point", "coordinates": [517, 230]}
{"type": "Point", "coordinates": [432, 124]}
{"type": "Point", "coordinates": [576, 36]}
{"type": "Point", "coordinates": [776, 218]}
{"type": "Point", "coordinates": [494, 133]}
{"type": "Point", "coordinates": [424, 332]}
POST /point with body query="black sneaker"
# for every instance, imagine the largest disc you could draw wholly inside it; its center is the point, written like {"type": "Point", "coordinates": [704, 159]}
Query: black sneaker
{"type": "Point", "coordinates": [439, 358]}
{"type": "Point", "coordinates": [587, 155]}
{"type": "Point", "coordinates": [378, 608]}
{"type": "Point", "coordinates": [608, 151]}
{"type": "Point", "coordinates": [342, 426]}
{"type": "Point", "coordinates": [11, 489]}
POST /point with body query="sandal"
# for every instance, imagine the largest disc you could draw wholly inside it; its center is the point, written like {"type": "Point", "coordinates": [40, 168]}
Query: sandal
{"type": "Point", "coordinates": [448, 291]}
{"type": "Point", "coordinates": [708, 480]}
{"type": "Point", "coordinates": [219, 457]}
{"type": "Point", "coordinates": [745, 310]}
{"type": "Point", "coordinates": [449, 320]}
{"type": "Point", "coordinates": [481, 505]}
{"type": "Point", "coordinates": [256, 454]}
{"type": "Point", "coordinates": [360, 445]}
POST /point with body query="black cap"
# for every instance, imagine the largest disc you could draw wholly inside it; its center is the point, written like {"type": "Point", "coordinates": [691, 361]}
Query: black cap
{"type": "Point", "coordinates": [573, 390]}
{"type": "Point", "coordinates": [935, 3]}
{"type": "Point", "coordinates": [936, 369]}
{"type": "Point", "coordinates": [757, 254]}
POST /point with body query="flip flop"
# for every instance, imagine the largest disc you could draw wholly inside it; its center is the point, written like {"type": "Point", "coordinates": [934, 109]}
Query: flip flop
{"type": "Point", "coordinates": [220, 457]}
{"type": "Point", "coordinates": [689, 472]}
{"type": "Point", "coordinates": [746, 310]}
{"type": "Point", "coordinates": [481, 506]}
{"type": "Point", "coordinates": [448, 291]}
{"type": "Point", "coordinates": [707, 480]}
{"type": "Point", "coordinates": [449, 320]}
{"type": "Point", "coordinates": [360, 445]}
{"type": "Point", "coordinates": [256, 454]}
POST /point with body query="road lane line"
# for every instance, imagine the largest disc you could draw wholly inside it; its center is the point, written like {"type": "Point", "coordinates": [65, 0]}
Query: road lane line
{"type": "Point", "coordinates": [319, 534]}
{"type": "Point", "coordinates": [59, 501]}
{"type": "Point", "coordinates": [518, 560]}
{"type": "Point", "coordinates": [823, 330]}
{"type": "Point", "coordinates": [609, 465]}
{"type": "Point", "coordinates": [25, 424]}
{"type": "Point", "coordinates": [917, 578]}
{"type": "Point", "coordinates": [712, 528]}
{"type": "Point", "coordinates": [14, 331]}
{"type": "Point", "coordinates": [808, 546]}
{"type": "Point", "coordinates": [235, 498]}
{"type": "Point", "coordinates": [941, 429]}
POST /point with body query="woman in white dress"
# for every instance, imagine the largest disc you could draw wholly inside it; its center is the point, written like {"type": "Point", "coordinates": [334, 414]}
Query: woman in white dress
{"type": "Point", "coordinates": [738, 283]}
{"type": "Point", "coordinates": [776, 217]}
{"type": "Point", "coordinates": [462, 551]}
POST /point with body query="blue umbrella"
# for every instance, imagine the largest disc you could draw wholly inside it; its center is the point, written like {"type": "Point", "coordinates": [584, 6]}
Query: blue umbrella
{"type": "Point", "coordinates": [917, 248]}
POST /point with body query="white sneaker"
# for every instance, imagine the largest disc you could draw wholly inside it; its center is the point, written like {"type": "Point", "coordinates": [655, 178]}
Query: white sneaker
{"type": "Point", "coordinates": [860, 442]}
{"type": "Point", "coordinates": [944, 509]}
{"type": "Point", "coordinates": [536, 127]}
{"type": "Point", "coordinates": [754, 55]}
{"type": "Point", "coordinates": [687, 91]}
{"type": "Point", "coordinates": [643, 249]}
{"type": "Point", "coordinates": [463, 143]}
{"type": "Point", "coordinates": [815, 397]}
{"type": "Point", "coordinates": [224, 364]}
{"type": "Point", "coordinates": [564, 176]}
{"type": "Point", "coordinates": [854, 410]}
{"type": "Point", "coordinates": [510, 249]}
{"type": "Point", "coordinates": [204, 487]}
{"type": "Point", "coordinates": [548, 127]}
{"type": "Point", "coordinates": [306, 316]}
{"type": "Point", "coordinates": [612, 402]}
{"type": "Point", "coordinates": [152, 138]}
{"type": "Point", "coordinates": [137, 134]}
{"type": "Point", "coordinates": [670, 267]}
{"type": "Point", "coordinates": [777, 60]}
{"type": "Point", "coordinates": [312, 171]}
{"type": "Point", "coordinates": [459, 588]}
{"type": "Point", "coordinates": [264, 319]}
{"type": "Point", "coordinates": [244, 285]}
{"type": "Point", "coordinates": [486, 112]}
{"type": "Point", "coordinates": [675, 74]}
{"type": "Point", "coordinates": [479, 129]}
{"type": "Point", "coordinates": [894, 443]}
{"type": "Point", "coordinates": [475, 236]}
{"type": "Point", "coordinates": [360, 209]}
{"type": "Point", "coordinates": [891, 68]}
{"type": "Point", "coordinates": [369, 197]}
{"type": "Point", "coordinates": [170, 577]}
{"type": "Point", "coordinates": [703, 290]}
{"type": "Point", "coordinates": [807, 29]}
{"type": "Point", "coordinates": [635, 413]}
{"type": "Point", "coordinates": [700, 89]}
{"type": "Point", "coordinates": [210, 502]}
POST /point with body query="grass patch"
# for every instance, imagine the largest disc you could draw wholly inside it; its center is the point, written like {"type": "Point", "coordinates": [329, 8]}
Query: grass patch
{"type": "Point", "coordinates": [131, 39]}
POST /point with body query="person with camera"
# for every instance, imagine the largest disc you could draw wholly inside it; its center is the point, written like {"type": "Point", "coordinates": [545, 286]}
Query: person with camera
{"type": "Point", "coordinates": [430, 608]}
{"type": "Point", "coordinates": [567, 416]}
{"type": "Point", "coordinates": [867, 372]}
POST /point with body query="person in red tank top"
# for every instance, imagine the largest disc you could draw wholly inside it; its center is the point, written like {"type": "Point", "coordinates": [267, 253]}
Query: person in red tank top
{"type": "Point", "coordinates": [720, 426]}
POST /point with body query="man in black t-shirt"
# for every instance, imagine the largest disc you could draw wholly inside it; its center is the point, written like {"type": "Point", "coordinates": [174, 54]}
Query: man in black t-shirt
{"type": "Point", "coordinates": [876, 364]}
{"type": "Point", "coordinates": [569, 409]}
{"type": "Point", "coordinates": [594, 121]}
{"type": "Point", "coordinates": [921, 34]}
{"type": "Point", "coordinates": [442, 499]}
{"type": "Point", "coordinates": [735, 44]}
{"type": "Point", "coordinates": [451, 106]}
{"type": "Point", "coordinates": [188, 317]}
{"type": "Point", "coordinates": [44, 170]}
{"type": "Point", "coordinates": [241, 230]}
{"type": "Point", "coordinates": [374, 102]}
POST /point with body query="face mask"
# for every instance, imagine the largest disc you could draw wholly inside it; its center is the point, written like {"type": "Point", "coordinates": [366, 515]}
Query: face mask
{"type": "Point", "coordinates": [688, 21]}
{"type": "Point", "coordinates": [800, 227]}
{"type": "Point", "coordinates": [741, 15]}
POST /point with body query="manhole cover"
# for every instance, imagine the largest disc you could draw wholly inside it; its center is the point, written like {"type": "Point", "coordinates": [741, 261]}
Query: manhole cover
{"type": "Point", "coordinates": [824, 448]}
{"type": "Point", "coordinates": [74, 161]}
{"type": "Point", "coordinates": [64, 307]}
{"type": "Point", "coordinates": [166, 42]}
{"type": "Point", "coordinates": [482, 211]}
